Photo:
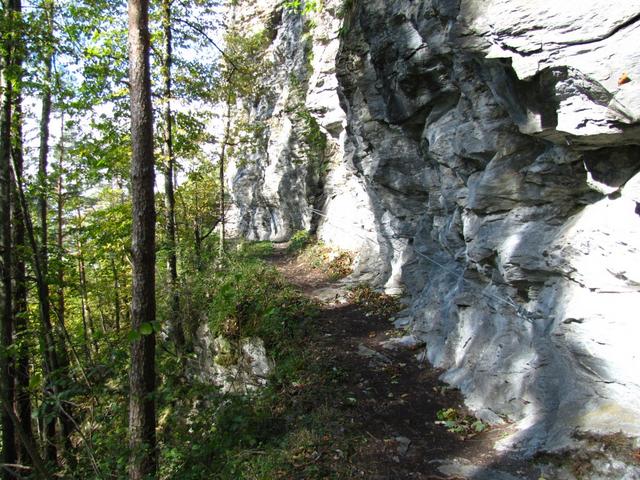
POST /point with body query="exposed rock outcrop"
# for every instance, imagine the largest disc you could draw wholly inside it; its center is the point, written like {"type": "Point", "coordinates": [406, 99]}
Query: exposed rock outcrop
{"type": "Point", "coordinates": [483, 157]}
{"type": "Point", "coordinates": [237, 366]}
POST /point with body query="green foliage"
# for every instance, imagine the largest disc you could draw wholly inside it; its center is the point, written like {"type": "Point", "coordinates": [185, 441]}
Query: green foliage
{"type": "Point", "coordinates": [347, 8]}
{"type": "Point", "coordinates": [335, 263]}
{"type": "Point", "coordinates": [202, 433]}
{"type": "Point", "coordinates": [250, 298]}
{"type": "Point", "coordinates": [245, 63]}
{"type": "Point", "coordinates": [347, 13]}
{"type": "Point", "coordinates": [314, 140]}
{"type": "Point", "coordinates": [299, 240]}
{"type": "Point", "coordinates": [272, 433]}
{"type": "Point", "coordinates": [304, 7]}
{"type": "Point", "coordinates": [254, 249]}
{"type": "Point", "coordinates": [456, 422]}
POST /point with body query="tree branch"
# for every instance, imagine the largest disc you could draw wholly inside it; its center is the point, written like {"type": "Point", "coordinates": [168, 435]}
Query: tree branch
{"type": "Point", "coordinates": [213, 227]}
{"type": "Point", "coordinates": [210, 40]}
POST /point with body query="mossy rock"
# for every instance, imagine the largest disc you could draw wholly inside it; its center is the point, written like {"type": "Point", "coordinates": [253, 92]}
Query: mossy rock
{"type": "Point", "coordinates": [226, 354]}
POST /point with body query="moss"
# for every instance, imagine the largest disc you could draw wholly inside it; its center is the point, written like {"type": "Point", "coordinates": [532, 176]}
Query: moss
{"type": "Point", "coordinates": [226, 354]}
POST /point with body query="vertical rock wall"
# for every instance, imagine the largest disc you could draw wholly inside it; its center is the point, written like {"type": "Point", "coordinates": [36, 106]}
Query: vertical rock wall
{"type": "Point", "coordinates": [276, 177]}
{"type": "Point", "coordinates": [482, 157]}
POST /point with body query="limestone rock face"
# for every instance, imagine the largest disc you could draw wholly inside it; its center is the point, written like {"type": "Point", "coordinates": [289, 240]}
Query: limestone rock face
{"type": "Point", "coordinates": [272, 181]}
{"type": "Point", "coordinates": [484, 158]}
{"type": "Point", "coordinates": [235, 366]}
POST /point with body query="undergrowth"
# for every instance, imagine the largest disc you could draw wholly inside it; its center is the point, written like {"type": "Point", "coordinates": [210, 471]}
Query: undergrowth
{"type": "Point", "coordinates": [335, 263]}
{"type": "Point", "coordinates": [278, 432]}
{"type": "Point", "coordinates": [457, 422]}
{"type": "Point", "coordinates": [285, 430]}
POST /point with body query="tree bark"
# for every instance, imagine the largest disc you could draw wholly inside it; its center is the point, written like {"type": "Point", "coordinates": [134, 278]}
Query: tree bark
{"type": "Point", "coordinates": [177, 332]}
{"type": "Point", "coordinates": [60, 228]}
{"type": "Point", "coordinates": [142, 412]}
{"type": "Point", "coordinates": [46, 330]}
{"type": "Point", "coordinates": [66, 413]}
{"type": "Point", "coordinates": [116, 292]}
{"type": "Point", "coordinates": [42, 252]}
{"type": "Point", "coordinates": [225, 140]}
{"type": "Point", "coordinates": [7, 365]}
{"type": "Point", "coordinates": [37, 461]}
{"type": "Point", "coordinates": [84, 301]}
{"type": "Point", "coordinates": [23, 398]}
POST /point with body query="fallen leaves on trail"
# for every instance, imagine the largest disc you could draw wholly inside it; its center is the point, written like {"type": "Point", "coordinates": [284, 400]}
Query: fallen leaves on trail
{"type": "Point", "coordinates": [374, 302]}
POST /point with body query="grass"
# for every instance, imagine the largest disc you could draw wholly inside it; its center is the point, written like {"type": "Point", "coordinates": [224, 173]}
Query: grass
{"type": "Point", "coordinates": [286, 430]}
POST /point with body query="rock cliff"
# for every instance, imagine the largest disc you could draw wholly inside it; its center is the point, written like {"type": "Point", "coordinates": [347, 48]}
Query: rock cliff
{"type": "Point", "coordinates": [482, 157]}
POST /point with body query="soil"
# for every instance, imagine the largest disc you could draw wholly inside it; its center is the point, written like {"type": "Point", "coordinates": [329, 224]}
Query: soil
{"type": "Point", "coordinates": [391, 405]}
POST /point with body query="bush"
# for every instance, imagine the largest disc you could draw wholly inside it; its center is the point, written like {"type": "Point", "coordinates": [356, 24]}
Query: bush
{"type": "Point", "coordinates": [335, 263]}
{"type": "Point", "coordinates": [207, 434]}
{"type": "Point", "coordinates": [250, 298]}
{"type": "Point", "coordinates": [299, 241]}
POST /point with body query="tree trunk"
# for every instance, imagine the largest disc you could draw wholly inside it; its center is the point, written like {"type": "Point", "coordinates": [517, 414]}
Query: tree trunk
{"type": "Point", "coordinates": [42, 252]}
{"type": "Point", "coordinates": [197, 245]}
{"type": "Point", "coordinates": [60, 227]}
{"type": "Point", "coordinates": [116, 291]}
{"type": "Point", "coordinates": [177, 332]}
{"type": "Point", "coordinates": [84, 301]}
{"type": "Point", "coordinates": [37, 461]}
{"type": "Point", "coordinates": [7, 365]}
{"type": "Point", "coordinates": [65, 362]}
{"type": "Point", "coordinates": [225, 140]}
{"type": "Point", "coordinates": [47, 340]}
{"type": "Point", "coordinates": [142, 412]}
{"type": "Point", "coordinates": [23, 398]}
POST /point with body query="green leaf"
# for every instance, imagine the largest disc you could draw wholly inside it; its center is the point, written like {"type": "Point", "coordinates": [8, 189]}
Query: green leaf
{"type": "Point", "coordinates": [146, 328]}
{"type": "Point", "coordinates": [450, 424]}
{"type": "Point", "coordinates": [479, 426]}
{"type": "Point", "coordinates": [134, 335]}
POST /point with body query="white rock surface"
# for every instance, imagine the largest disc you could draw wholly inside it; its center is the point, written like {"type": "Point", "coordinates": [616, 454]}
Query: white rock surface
{"type": "Point", "coordinates": [237, 367]}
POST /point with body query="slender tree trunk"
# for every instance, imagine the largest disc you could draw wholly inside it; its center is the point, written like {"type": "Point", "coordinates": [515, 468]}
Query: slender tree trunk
{"type": "Point", "coordinates": [225, 140]}
{"type": "Point", "coordinates": [84, 302]}
{"type": "Point", "coordinates": [7, 374]}
{"type": "Point", "coordinates": [103, 325]}
{"type": "Point", "coordinates": [23, 398]}
{"type": "Point", "coordinates": [198, 247]}
{"type": "Point", "coordinates": [43, 187]}
{"type": "Point", "coordinates": [60, 227]}
{"type": "Point", "coordinates": [66, 413]}
{"type": "Point", "coordinates": [116, 291]}
{"type": "Point", "coordinates": [88, 330]}
{"type": "Point", "coordinates": [36, 459]}
{"type": "Point", "coordinates": [47, 338]}
{"type": "Point", "coordinates": [42, 252]}
{"type": "Point", "coordinates": [142, 410]}
{"type": "Point", "coordinates": [177, 332]}
{"type": "Point", "coordinates": [26, 452]}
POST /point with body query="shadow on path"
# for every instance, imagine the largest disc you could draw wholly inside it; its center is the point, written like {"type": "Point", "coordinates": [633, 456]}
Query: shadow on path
{"type": "Point", "coordinates": [389, 399]}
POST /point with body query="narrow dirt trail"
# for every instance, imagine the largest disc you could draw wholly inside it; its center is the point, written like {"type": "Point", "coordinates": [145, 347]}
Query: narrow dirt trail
{"type": "Point", "coordinates": [388, 400]}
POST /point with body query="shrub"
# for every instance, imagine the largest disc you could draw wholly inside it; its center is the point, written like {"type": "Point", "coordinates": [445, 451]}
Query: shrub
{"type": "Point", "coordinates": [299, 241]}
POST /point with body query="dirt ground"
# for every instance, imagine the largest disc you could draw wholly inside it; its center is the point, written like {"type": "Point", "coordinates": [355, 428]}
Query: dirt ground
{"type": "Point", "coordinates": [392, 400]}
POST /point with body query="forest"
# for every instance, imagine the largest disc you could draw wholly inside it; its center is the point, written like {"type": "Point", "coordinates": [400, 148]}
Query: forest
{"type": "Point", "coordinates": [319, 239]}
{"type": "Point", "coordinates": [113, 248]}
